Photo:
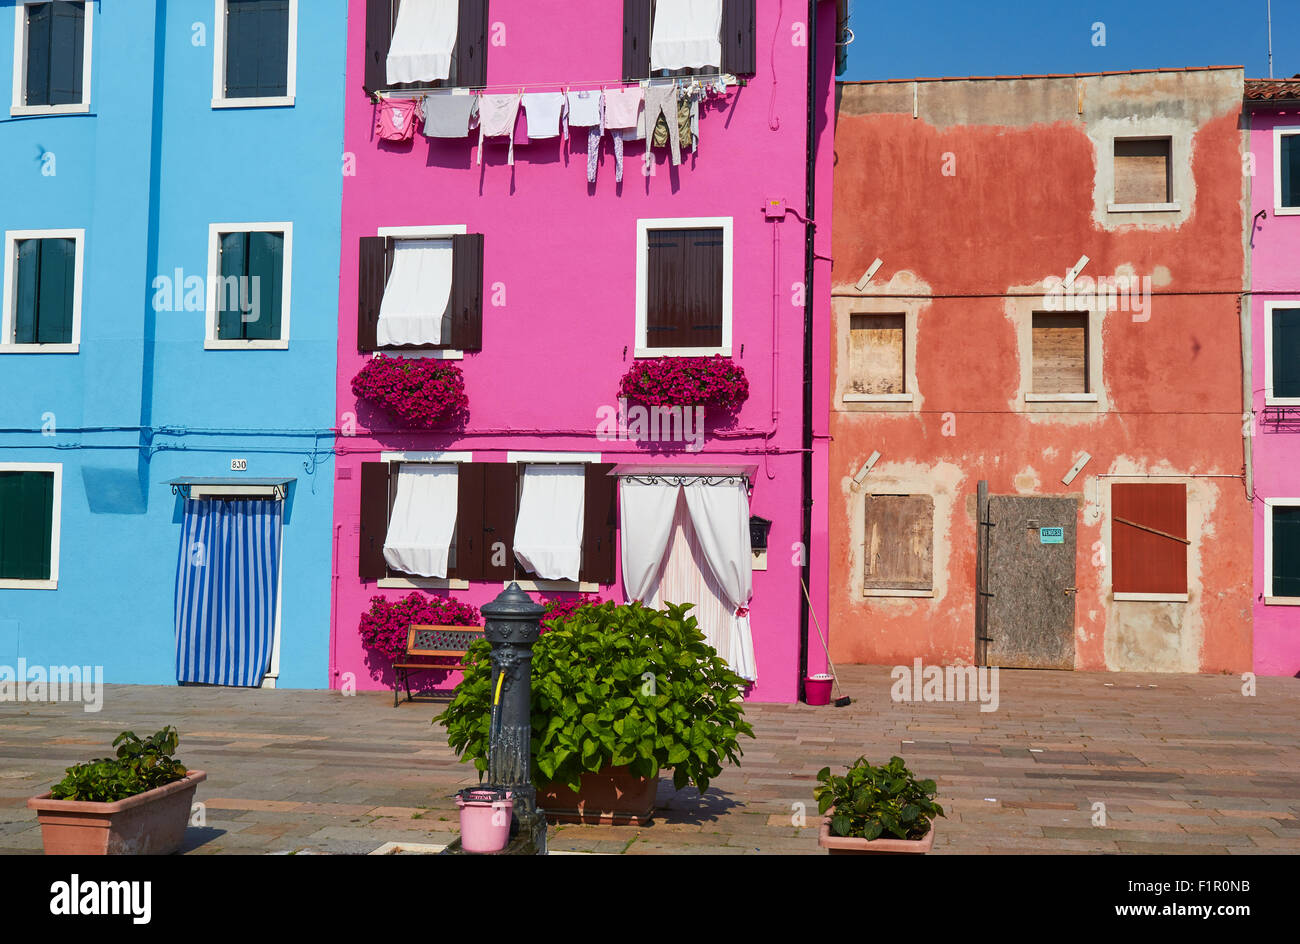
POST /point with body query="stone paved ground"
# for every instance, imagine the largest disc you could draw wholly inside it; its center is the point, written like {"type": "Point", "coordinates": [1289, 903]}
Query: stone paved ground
{"type": "Point", "coordinates": [1183, 764]}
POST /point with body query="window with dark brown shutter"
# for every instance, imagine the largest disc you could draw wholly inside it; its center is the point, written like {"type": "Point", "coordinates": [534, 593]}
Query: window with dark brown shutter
{"type": "Point", "coordinates": [600, 519]}
{"type": "Point", "coordinates": [738, 32]}
{"type": "Point", "coordinates": [465, 308]}
{"type": "Point", "coordinates": [1149, 537]}
{"type": "Point", "coordinates": [468, 61]}
{"type": "Point", "coordinates": [485, 521]}
{"type": "Point", "coordinates": [1142, 170]}
{"type": "Point", "coordinates": [374, 520]}
{"type": "Point", "coordinates": [684, 287]}
{"type": "Point", "coordinates": [898, 543]}
{"type": "Point", "coordinates": [637, 18]}
{"type": "Point", "coordinates": [467, 292]}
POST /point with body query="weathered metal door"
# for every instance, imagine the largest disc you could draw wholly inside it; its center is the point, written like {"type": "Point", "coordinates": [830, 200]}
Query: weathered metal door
{"type": "Point", "coordinates": [1027, 582]}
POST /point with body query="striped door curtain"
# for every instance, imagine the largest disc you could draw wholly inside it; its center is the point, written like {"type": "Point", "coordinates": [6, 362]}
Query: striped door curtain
{"type": "Point", "coordinates": [227, 581]}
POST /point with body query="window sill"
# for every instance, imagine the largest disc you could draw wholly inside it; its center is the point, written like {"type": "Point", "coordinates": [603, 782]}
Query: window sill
{"type": "Point", "coordinates": [537, 586]}
{"type": "Point", "coordinates": [1281, 401]}
{"type": "Point", "coordinates": [886, 592]}
{"type": "Point", "coordinates": [439, 355]}
{"type": "Point", "coordinates": [1282, 601]}
{"type": "Point", "coordinates": [877, 398]}
{"type": "Point", "coordinates": [29, 584]}
{"type": "Point", "coordinates": [1150, 597]}
{"type": "Point", "coordinates": [1173, 207]}
{"type": "Point", "coordinates": [211, 345]}
{"type": "Point", "coordinates": [425, 583]}
{"type": "Point", "coordinates": [39, 348]}
{"type": "Point", "coordinates": [1286, 211]}
{"type": "Point", "coordinates": [1060, 398]}
{"type": "Point", "coordinates": [276, 101]}
{"type": "Point", "coordinates": [31, 111]}
{"type": "Point", "coordinates": [681, 351]}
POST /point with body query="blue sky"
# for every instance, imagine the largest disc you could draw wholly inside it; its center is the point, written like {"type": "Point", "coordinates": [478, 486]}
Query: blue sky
{"type": "Point", "coordinates": [917, 38]}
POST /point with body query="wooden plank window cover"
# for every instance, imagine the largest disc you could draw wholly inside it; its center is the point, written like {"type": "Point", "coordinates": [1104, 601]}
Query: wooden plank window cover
{"type": "Point", "coordinates": [1142, 170]}
{"type": "Point", "coordinates": [684, 287]}
{"type": "Point", "coordinates": [26, 524]}
{"type": "Point", "coordinates": [637, 18]}
{"type": "Point", "coordinates": [876, 353]}
{"type": "Point", "coordinates": [899, 543]}
{"type": "Point", "coordinates": [1286, 551]}
{"type": "Point", "coordinates": [600, 521]}
{"type": "Point", "coordinates": [374, 520]}
{"type": "Point", "coordinates": [1145, 561]}
{"type": "Point", "coordinates": [1285, 356]}
{"type": "Point", "coordinates": [1060, 352]}
{"type": "Point", "coordinates": [738, 37]}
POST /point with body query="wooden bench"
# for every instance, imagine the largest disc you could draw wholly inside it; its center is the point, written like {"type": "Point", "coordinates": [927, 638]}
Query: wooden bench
{"type": "Point", "coordinates": [424, 642]}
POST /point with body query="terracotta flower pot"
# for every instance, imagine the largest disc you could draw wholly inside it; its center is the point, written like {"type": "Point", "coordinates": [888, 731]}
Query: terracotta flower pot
{"type": "Point", "coordinates": [849, 845]}
{"type": "Point", "coordinates": [613, 797]}
{"type": "Point", "coordinates": [149, 823]}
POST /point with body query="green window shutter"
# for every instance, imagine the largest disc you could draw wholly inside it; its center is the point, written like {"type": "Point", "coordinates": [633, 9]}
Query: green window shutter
{"type": "Point", "coordinates": [27, 291]}
{"type": "Point", "coordinates": [67, 37]}
{"type": "Point", "coordinates": [58, 271]}
{"type": "Point", "coordinates": [1286, 352]}
{"type": "Point", "coordinates": [273, 49]}
{"type": "Point", "coordinates": [38, 53]}
{"type": "Point", "coordinates": [1289, 166]}
{"type": "Point", "coordinates": [257, 48]}
{"type": "Point", "coordinates": [1286, 551]}
{"type": "Point", "coordinates": [26, 524]}
{"type": "Point", "coordinates": [266, 265]}
{"type": "Point", "coordinates": [241, 50]}
{"type": "Point", "coordinates": [231, 289]}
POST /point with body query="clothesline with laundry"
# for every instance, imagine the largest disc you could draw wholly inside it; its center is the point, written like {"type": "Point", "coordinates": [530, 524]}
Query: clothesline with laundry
{"type": "Point", "coordinates": [664, 112]}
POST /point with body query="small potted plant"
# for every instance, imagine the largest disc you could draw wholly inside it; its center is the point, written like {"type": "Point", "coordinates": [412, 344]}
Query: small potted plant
{"type": "Point", "coordinates": [137, 803]}
{"type": "Point", "coordinates": [875, 810]}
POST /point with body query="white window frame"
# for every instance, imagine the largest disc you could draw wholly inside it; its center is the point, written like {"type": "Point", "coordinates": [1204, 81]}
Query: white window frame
{"type": "Point", "coordinates": [427, 583]}
{"type": "Point", "coordinates": [210, 340]}
{"type": "Point", "coordinates": [1269, 308]}
{"type": "Point", "coordinates": [219, 99]}
{"type": "Point", "coordinates": [1270, 599]}
{"type": "Point", "coordinates": [17, 106]}
{"type": "Point", "coordinates": [1278, 135]}
{"type": "Point", "coordinates": [56, 513]}
{"type": "Point", "coordinates": [12, 238]}
{"type": "Point", "coordinates": [643, 227]}
{"type": "Point", "coordinates": [422, 232]}
{"type": "Point", "coordinates": [1172, 206]}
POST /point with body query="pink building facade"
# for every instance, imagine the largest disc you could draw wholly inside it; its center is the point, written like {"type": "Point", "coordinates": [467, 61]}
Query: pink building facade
{"type": "Point", "coordinates": [1273, 235]}
{"type": "Point", "coordinates": [556, 286]}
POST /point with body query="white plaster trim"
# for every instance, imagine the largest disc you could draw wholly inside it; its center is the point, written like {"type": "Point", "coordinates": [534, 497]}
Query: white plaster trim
{"type": "Point", "coordinates": [886, 592]}
{"type": "Point", "coordinates": [1281, 601]}
{"type": "Point", "coordinates": [1060, 398]}
{"type": "Point", "coordinates": [215, 231]}
{"type": "Point", "coordinates": [537, 586]}
{"type": "Point", "coordinates": [1269, 505]}
{"type": "Point", "coordinates": [877, 398]}
{"type": "Point", "coordinates": [423, 232]}
{"type": "Point", "coordinates": [219, 99]}
{"type": "Point", "coordinates": [56, 525]}
{"type": "Point", "coordinates": [1173, 207]}
{"type": "Point", "coordinates": [17, 107]}
{"type": "Point", "coordinates": [440, 354]}
{"type": "Point", "coordinates": [643, 227]}
{"type": "Point", "coordinates": [1278, 209]}
{"type": "Point", "coordinates": [12, 237]}
{"type": "Point", "coordinates": [426, 457]}
{"type": "Point", "coordinates": [1269, 308]}
{"type": "Point", "coordinates": [565, 457]}
{"type": "Point", "coordinates": [427, 583]}
{"type": "Point", "coordinates": [1151, 597]}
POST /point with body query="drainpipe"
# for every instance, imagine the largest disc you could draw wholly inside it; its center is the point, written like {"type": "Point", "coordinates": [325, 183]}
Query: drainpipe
{"type": "Point", "coordinates": [334, 613]}
{"type": "Point", "coordinates": [1247, 398]}
{"type": "Point", "coordinates": [810, 230]}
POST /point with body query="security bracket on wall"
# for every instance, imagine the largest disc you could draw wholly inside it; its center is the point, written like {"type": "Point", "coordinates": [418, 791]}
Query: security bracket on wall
{"type": "Point", "coordinates": [866, 276]}
{"type": "Point", "coordinates": [1074, 469]}
{"type": "Point", "coordinates": [1074, 272]}
{"type": "Point", "coordinates": [862, 472]}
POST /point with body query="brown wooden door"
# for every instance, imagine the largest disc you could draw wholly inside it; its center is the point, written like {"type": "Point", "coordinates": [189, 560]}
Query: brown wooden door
{"type": "Point", "coordinates": [1029, 580]}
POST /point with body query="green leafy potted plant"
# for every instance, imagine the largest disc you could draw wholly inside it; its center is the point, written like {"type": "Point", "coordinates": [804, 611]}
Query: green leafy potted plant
{"type": "Point", "coordinates": [874, 810]}
{"type": "Point", "coordinates": [137, 803]}
{"type": "Point", "coordinates": [619, 693]}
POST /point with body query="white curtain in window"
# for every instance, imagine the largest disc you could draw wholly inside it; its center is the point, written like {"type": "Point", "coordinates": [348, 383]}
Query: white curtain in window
{"type": "Point", "coordinates": [687, 578]}
{"type": "Point", "coordinates": [417, 293]}
{"type": "Point", "coordinates": [548, 531]}
{"type": "Point", "coordinates": [647, 524]}
{"type": "Point", "coordinates": [687, 34]}
{"type": "Point", "coordinates": [423, 519]}
{"type": "Point", "coordinates": [720, 515]}
{"type": "Point", "coordinates": [423, 39]}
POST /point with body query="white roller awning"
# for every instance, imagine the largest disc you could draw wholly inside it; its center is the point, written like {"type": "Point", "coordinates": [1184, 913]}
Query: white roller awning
{"type": "Point", "coordinates": [417, 293]}
{"type": "Point", "coordinates": [423, 520]}
{"type": "Point", "coordinates": [548, 531]}
{"type": "Point", "coordinates": [687, 34]}
{"type": "Point", "coordinates": [423, 40]}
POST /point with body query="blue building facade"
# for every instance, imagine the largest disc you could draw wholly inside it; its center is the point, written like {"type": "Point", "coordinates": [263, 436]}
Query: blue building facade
{"type": "Point", "coordinates": [170, 193]}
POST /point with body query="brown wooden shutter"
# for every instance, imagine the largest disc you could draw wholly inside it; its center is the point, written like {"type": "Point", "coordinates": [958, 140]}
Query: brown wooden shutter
{"type": "Point", "coordinates": [469, 522]}
{"type": "Point", "coordinates": [636, 40]}
{"type": "Point", "coordinates": [1148, 537]}
{"type": "Point", "coordinates": [374, 520]}
{"type": "Point", "coordinates": [500, 501]}
{"type": "Point", "coordinates": [471, 44]}
{"type": "Point", "coordinates": [374, 262]}
{"type": "Point", "coordinates": [738, 32]}
{"type": "Point", "coordinates": [898, 543]}
{"type": "Point", "coordinates": [684, 288]}
{"type": "Point", "coordinates": [467, 292]}
{"type": "Point", "coordinates": [379, 36]}
{"type": "Point", "coordinates": [600, 519]}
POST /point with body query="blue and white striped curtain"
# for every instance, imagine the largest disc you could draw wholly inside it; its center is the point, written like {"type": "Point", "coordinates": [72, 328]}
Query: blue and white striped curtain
{"type": "Point", "coordinates": [227, 581]}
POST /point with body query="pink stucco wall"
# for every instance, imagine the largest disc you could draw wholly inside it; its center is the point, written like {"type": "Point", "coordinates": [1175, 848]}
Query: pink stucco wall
{"type": "Point", "coordinates": [559, 277]}
{"type": "Point", "coordinates": [1275, 276]}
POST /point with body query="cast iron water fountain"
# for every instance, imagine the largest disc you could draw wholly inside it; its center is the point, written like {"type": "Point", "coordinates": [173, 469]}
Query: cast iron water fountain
{"type": "Point", "coordinates": [512, 625]}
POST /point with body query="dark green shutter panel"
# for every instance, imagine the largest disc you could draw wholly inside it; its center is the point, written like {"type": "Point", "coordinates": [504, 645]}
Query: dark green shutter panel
{"type": "Point", "coordinates": [273, 49]}
{"type": "Point", "coordinates": [738, 42]}
{"type": "Point", "coordinates": [636, 39]}
{"type": "Point", "coordinates": [27, 291]}
{"type": "Point", "coordinates": [379, 36]}
{"type": "Point", "coordinates": [38, 53]}
{"type": "Point", "coordinates": [58, 270]}
{"type": "Point", "coordinates": [471, 45]}
{"type": "Point", "coordinates": [67, 35]}
{"type": "Point", "coordinates": [374, 520]}
{"type": "Point", "coordinates": [231, 288]}
{"type": "Point", "coordinates": [1286, 352]}
{"type": "Point", "coordinates": [1286, 551]}
{"type": "Point", "coordinates": [374, 262]}
{"type": "Point", "coordinates": [241, 50]}
{"type": "Point", "coordinates": [266, 284]}
{"type": "Point", "coordinates": [467, 292]}
{"type": "Point", "coordinates": [26, 525]}
{"type": "Point", "coordinates": [600, 520]}
{"type": "Point", "coordinates": [257, 48]}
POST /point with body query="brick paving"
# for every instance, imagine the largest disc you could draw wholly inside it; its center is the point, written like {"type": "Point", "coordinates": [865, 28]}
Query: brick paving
{"type": "Point", "coordinates": [1182, 764]}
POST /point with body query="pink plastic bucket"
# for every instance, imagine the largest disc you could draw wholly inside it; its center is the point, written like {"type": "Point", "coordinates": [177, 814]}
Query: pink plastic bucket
{"type": "Point", "coordinates": [817, 689]}
{"type": "Point", "coordinates": [485, 823]}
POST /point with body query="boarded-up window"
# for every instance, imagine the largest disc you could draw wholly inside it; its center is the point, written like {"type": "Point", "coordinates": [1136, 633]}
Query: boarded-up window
{"type": "Point", "coordinates": [684, 287]}
{"type": "Point", "coordinates": [899, 543]}
{"type": "Point", "coordinates": [1149, 537]}
{"type": "Point", "coordinates": [1142, 170]}
{"type": "Point", "coordinates": [1285, 575]}
{"type": "Point", "coordinates": [876, 354]}
{"type": "Point", "coordinates": [1285, 356]}
{"type": "Point", "coordinates": [1060, 352]}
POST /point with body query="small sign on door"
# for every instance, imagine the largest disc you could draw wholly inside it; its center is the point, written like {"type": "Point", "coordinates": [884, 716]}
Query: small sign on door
{"type": "Point", "coordinates": [1051, 535]}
